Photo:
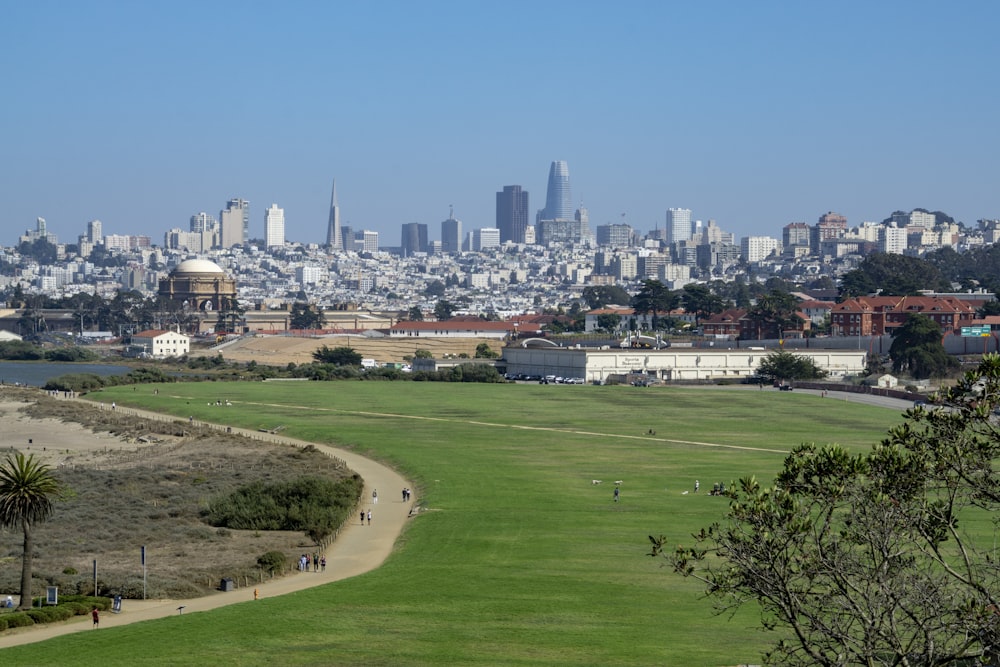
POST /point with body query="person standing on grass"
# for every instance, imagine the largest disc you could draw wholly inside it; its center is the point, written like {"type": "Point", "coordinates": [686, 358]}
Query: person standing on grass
{"type": "Point", "coordinates": [616, 494]}
{"type": "Point", "coordinates": [97, 617]}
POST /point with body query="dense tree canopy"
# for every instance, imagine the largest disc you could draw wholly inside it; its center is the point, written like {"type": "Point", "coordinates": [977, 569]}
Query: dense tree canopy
{"type": "Point", "coordinates": [873, 558]}
{"type": "Point", "coordinates": [338, 356]}
{"type": "Point", "coordinates": [917, 348]}
{"type": "Point", "coordinates": [599, 296]}
{"type": "Point", "coordinates": [702, 301]}
{"type": "Point", "coordinates": [305, 316]}
{"type": "Point", "coordinates": [892, 274]}
{"type": "Point", "coordinates": [788, 366]}
{"type": "Point", "coordinates": [655, 298]}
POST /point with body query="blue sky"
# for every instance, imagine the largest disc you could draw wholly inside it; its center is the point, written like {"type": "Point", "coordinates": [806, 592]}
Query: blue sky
{"type": "Point", "coordinates": [755, 114]}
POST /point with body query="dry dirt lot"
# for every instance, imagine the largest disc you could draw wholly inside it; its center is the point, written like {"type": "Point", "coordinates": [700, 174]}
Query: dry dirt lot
{"type": "Point", "coordinates": [134, 482]}
{"type": "Point", "coordinates": [283, 350]}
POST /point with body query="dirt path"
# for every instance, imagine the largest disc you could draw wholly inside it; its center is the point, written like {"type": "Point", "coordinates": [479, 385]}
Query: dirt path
{"type": "Point", "coordinates": [357, 550]}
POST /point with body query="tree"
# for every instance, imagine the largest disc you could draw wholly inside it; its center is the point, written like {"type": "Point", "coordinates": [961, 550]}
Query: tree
{"type": "Point", "coordinates": [787, 366]}
{"type": "Point", "coordinates": [917, 348]}
{"type": "Point", "coordinates": [338, 356]}
{"type": "Point", "coordinates": [435, 288]}
{"type": "Point", "coordinates": [484, 351]}
{"type": "Point", "coordinates": [305, 316]}
{"type": "Point", "coordinates": [870, 558]}
{"type": "Point", "coordinates": [27, 496]}
{"type": "Point", "coordinates": [415, 314]}
{"type": "Point", "coordinates": [774, 313]}
{"type": "Point", "coordinates": [654, 297]}
{"type": "Point", "coordinates": [443, 310]}
{"type": "Point", "coordinates": [700, 300]}
{"type": "Point", "coordinates": [889, 273]}
{"type": "Point", "coordinates": [609, 322]}
{"type": "Point", "coordinates": [598, 296]}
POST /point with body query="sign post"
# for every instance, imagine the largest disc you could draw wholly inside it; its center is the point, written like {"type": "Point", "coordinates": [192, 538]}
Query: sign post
{"type": "Point", "coordinates": [143, 571]}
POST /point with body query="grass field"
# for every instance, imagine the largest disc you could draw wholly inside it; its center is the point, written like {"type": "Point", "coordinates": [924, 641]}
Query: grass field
{"type": "Point", "coordinates": [518, 558]}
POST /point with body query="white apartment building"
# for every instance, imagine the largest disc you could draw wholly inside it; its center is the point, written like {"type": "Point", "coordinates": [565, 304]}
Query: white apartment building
{"type": "Point", "coordinates": [892, 239]}
{"type": "Point", "coordinates": [759, 248]}
{"type": "Point", "coordinates": [274, 227]}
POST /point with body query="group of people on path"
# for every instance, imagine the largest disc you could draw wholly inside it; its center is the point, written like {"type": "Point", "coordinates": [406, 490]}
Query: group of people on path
{"type": "Point", "coordinates": [317, 562]}
{"type": "Point", "coordinates": [406, 495]}
{"type": "Point", "coordinates": [364, 514]}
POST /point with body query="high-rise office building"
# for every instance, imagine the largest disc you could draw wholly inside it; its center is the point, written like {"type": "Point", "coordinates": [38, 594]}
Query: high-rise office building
{"type": "Point", "coordinates": [235, 222]}
{"type": "Point", "coordinates": [274, 227]}
{"type": "Point", "coordinates": [451, 234]}
{"type": "Point", "coordinates": [615, 235]}
{"type": "Point", "coordinates": [414, 238]}
{"type": "Point", "coordinates": [334, 239]}
{"type": "Point", "coordinates": [369, 242]}
{"type": "Point", "coordinates": [485, 238]}
{"type": "Point", "coordinates": [512, 214]}
{"type": "Point", "coordinates": [347, 238]}
{"type": "Point", "coordinates": [678, 224]}
{"type": "Point", "coordinates": [558, 204]}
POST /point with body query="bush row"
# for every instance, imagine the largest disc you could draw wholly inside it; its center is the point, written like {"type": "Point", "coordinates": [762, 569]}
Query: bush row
{"type": "Point", "coordinates": [68, 607]}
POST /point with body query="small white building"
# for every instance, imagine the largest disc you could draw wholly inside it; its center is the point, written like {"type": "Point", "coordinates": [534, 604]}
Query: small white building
{"type": "Point", "coordinates": [159, 343]}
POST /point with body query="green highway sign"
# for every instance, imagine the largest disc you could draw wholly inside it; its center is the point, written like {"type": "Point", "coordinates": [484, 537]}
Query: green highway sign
{"type": "Point", "coordinates": [976, 331]}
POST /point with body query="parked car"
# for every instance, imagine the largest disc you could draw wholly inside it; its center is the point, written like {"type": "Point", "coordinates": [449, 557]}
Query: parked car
{"type": "Point", "coordinates": [784, 387]}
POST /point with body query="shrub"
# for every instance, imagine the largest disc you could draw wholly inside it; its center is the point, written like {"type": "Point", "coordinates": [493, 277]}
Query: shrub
{"type": "Point", "coordinates": [18, 619]}
{"type": "Point", "coordinates": [313, 505]}
{"type": "Point", "coordinates": [272, 561]}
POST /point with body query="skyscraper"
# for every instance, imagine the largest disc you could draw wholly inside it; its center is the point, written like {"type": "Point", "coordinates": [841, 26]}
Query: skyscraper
{"type": "Point", "coordinates": [557, 196]}
{"type": "Point", "coordinates": [274, 227]}
{"type": "Point", "coordinates": [234, 222]}
{"type": "Point", "coordinates": [451, 234]}
{"type": "Point", "coordinates": [678, 225]}
{"type": "Point", "coordinates": [512, 213]}
{"type": "Point", "coordinates": [414, 238]}
{"type": "Point", "coordinates": [334, 240]}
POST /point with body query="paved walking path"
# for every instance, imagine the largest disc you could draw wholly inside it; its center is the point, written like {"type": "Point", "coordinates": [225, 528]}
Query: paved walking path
{"type": "Point", "coordinates": [358, 549]}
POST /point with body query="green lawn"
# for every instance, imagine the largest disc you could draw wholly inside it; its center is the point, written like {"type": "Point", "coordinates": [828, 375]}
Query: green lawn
{"type": "Point", "coordinates": [520, 560]}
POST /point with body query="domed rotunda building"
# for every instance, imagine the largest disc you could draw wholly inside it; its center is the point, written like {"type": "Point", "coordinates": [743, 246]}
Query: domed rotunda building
{"type": "Point", "coordinates": [199, 284]}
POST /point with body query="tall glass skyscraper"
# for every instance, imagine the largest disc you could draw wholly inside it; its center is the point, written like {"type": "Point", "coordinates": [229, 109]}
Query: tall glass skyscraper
{"type": "Point", "coordinates": [451, 234]}
{"type": "Point", "coordinates": [678, 224]}
{"type": "Point", "coordinates": [512, 214]}
{"type": "Point", "coordinates": [558, 204]}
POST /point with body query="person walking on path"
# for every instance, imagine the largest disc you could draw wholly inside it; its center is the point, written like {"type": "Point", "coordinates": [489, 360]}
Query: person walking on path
{"type": "Point", "coordinates": [96, 616]}
{"type": "Point", "coordinates": [375, 496]}
{"type": "Point", "coordinates": [256, 594]}
{"type": "Point", "coordinates": [369, 517]}
{"type": "Point", "coordinates": [322, 563]}
{"type": "Point", "coordinates": [315, 562]}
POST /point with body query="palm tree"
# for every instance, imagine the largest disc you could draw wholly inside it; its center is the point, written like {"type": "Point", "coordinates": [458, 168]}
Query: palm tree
{"type": "Point", "coordinates": [27, 496]}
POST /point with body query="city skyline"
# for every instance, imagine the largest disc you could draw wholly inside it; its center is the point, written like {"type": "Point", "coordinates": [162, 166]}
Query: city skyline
{"type": "Point", "coordinates": [755, 116]}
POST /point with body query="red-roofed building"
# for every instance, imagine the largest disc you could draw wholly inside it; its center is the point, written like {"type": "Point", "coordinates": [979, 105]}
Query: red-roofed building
{"type": "Point", "coordinates": [464, 329]}
{"type": "Point", "coordinates": [878, 315]}
{"type": "Point", "coordinates": [723, 325]}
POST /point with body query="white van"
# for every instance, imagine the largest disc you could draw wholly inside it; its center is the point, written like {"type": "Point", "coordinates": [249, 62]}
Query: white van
{"type": "Point", "coordinates": [369, 363]}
